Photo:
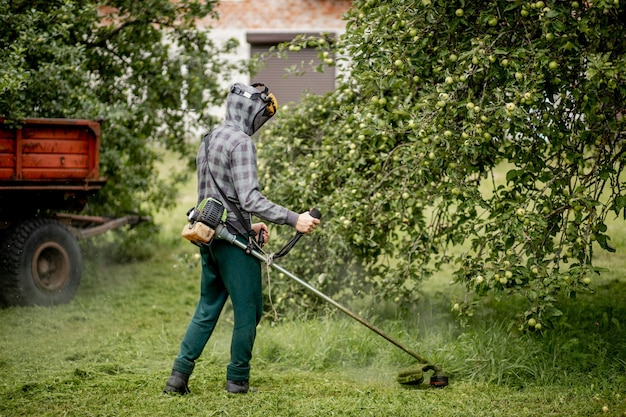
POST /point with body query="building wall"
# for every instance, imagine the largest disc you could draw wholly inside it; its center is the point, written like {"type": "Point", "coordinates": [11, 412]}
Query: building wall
{"type": "Point", "coordinates": [284, 15]}
{"type": "Point", "coordinates": [240, 18]}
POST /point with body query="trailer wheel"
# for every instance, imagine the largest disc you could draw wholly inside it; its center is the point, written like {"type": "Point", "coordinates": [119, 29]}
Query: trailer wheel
{"type": "Point", "coordinates": [41, 264]}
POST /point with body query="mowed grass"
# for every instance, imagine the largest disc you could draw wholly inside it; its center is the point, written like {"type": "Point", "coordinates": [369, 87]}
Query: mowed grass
{"type": "Point", "coordinates": [109, 351]}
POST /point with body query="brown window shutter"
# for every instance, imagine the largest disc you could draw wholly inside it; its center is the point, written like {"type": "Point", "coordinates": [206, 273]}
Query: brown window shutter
{"type": "Point", "coordinates": [288, 87]}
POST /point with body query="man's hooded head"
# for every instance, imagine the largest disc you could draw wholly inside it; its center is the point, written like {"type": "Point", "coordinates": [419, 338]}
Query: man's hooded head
{"type": "Point", "coordinates": [248, 107]}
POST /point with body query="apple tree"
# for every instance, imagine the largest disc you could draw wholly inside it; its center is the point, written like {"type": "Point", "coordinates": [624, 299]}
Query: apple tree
{"type": "Point", "coordinates": [143, 66]}
{"type": "Point", "coordinates": [484, 136]}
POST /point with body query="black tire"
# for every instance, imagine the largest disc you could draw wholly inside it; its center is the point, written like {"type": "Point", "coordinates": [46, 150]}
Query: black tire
{"type": "Point", "coordinates": [41, 264]}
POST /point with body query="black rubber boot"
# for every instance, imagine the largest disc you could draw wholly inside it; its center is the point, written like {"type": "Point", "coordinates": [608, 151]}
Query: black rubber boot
{"type": "Point", "coordinates": [237, 387]}
{"type": "Point", "coordinates": [177, 383]}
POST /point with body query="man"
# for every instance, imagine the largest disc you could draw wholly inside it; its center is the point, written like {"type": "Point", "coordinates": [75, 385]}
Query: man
{"type": "Point", "coordinates": [230, 169]}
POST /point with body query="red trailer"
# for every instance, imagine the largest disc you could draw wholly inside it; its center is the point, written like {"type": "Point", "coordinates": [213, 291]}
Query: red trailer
{"type": "Point", "coordinates": [48, 168]}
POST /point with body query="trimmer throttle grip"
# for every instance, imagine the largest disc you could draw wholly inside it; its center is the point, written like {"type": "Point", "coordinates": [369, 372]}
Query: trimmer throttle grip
{"type": "Point", "coordinates": [314, 212]}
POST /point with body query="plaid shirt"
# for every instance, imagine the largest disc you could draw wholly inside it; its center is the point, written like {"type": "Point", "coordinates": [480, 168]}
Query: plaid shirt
{"type": "Point", "coordinates": [232, 160]}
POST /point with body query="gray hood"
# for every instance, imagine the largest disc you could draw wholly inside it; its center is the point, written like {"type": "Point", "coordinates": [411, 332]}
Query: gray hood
{"type": "Point", "coordinates": [243, 108]}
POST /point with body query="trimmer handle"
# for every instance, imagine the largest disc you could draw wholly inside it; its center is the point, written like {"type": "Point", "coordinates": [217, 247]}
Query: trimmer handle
{"type": "Point", "coordinates": [314, 212]}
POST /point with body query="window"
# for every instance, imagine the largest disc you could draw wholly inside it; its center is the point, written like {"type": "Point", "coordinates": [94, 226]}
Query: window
{"type": "Point", "coordinates": [290, 88]}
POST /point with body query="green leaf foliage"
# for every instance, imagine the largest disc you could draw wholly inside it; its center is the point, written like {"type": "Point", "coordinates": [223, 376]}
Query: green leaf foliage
{"type": "Point", "coordinates": [488, 136]}
{"type": "Point", "coordinates": [142, 66]}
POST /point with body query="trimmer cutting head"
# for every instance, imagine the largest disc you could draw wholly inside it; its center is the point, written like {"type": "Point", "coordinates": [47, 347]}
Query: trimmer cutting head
{"type": "Point", "coordinates": [415, 375]}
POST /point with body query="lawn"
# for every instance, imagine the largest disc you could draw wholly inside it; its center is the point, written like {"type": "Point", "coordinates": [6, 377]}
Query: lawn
{"type": "Point", "coordinates": [109, 351]}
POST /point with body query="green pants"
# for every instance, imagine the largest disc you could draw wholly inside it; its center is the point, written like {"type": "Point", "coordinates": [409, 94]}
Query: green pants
{"type": "Point", "coordinates": [226, 271]}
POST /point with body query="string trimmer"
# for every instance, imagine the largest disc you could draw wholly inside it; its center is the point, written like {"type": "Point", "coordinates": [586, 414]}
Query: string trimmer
{"type": "Point", "coordinates": [412, 376]}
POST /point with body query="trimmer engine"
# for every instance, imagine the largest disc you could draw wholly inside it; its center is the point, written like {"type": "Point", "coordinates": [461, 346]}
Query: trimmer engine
{"type": "Point", "coordinates": [210, 212]}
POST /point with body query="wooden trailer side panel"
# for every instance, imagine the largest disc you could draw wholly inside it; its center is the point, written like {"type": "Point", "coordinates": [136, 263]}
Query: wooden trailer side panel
{"type": "Point", "coordinates": [50, 149]}
{"type": "Point", "coordinates": [7, 153]}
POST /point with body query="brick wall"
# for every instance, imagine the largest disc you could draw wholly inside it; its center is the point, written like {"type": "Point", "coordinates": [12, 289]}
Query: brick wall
{"type": "Point", "coordinates": [277, 15]}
